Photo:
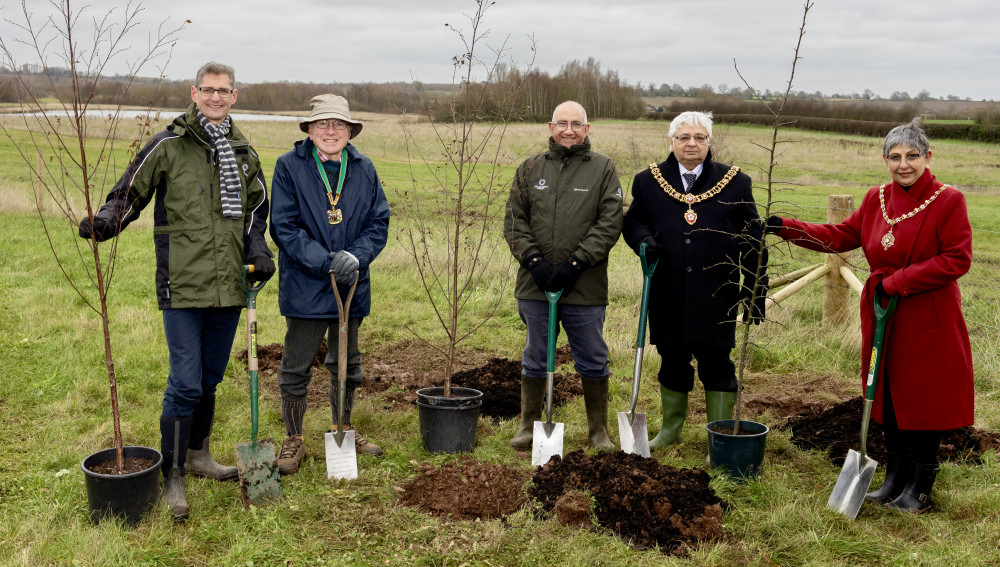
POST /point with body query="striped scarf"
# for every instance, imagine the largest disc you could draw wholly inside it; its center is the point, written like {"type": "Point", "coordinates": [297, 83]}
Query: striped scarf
{"type": "Point", "coordinates": [229, 177]}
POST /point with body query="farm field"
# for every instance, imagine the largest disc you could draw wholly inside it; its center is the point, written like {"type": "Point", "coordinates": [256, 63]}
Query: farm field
{"type": "Point", "coordinates": [54, 409]}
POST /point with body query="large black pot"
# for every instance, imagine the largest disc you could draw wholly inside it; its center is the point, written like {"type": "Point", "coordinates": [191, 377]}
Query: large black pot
{"type": "Point", "coordinates": [126, 496]}
{"type": "Point", "coordinates": [742, 456]}
{"type": "Point", "coordinates": [448, 424]}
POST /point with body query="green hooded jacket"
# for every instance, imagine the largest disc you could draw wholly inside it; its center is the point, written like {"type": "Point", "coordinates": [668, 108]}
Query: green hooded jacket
{"type": "Point", "coordinates": [565, 202]}
{"type": "Point", "coordinates": [199, 253]}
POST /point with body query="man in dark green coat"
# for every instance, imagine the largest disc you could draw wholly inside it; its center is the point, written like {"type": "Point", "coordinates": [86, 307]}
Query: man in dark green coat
{"type": "Point", "coordinates": [564, 214]}
{"type": "Point", "coordinates": [209, 218]}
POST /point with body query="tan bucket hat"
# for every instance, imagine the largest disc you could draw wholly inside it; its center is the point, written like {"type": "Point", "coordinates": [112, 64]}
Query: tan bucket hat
{"type": "Point", "coordinates": [330, 106]}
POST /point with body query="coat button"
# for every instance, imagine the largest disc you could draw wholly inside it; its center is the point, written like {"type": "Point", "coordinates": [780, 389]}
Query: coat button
{"type": "Point", "coordinates": [687, 269]}
{"type": "Point", "coordinates": [687, 241]}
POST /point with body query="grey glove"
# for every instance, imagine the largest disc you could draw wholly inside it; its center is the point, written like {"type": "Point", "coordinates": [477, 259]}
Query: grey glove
{"type": "Point", "coordinates": [343, 264]}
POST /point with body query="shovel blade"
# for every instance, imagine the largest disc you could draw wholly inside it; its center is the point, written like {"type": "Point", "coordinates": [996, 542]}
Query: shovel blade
{"type": "Point", "coordinates": [257, 466]}
{"type": "Point", "coordinates": [546, 444]}
{"type": "Point", "coordinates": [852, 484]}
{"type": "Point", "coordinates": [633, 436]}
{"type": "Point", "coordinates": [341, 459]}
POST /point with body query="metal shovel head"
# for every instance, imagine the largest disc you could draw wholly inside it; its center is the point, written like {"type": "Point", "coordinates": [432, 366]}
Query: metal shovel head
{"type": "Point", "coordinates": [547, 441]}
{"type": "Point", "coordinates": [633, 436]}
{"type": "Point", "coordinates": [341, 459]}
{"type": "Point", "coordinates": [257, 466]}
{"type": "Point", "coordinates": [852, 484]}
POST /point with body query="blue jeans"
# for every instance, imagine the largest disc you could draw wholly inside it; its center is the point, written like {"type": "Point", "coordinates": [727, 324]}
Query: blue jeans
{"type": "Point", "coordinates": [584, 326]}
{"type": "Point", "coordinates": [199, 342]}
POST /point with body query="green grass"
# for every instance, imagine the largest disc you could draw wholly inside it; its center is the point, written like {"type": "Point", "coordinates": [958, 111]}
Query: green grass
{"type": "Point", "coordinates": [54, 410]}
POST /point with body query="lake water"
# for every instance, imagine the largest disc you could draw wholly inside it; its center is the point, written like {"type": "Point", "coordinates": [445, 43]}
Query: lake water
{"type": "Point", "coordinates": [166, 115]}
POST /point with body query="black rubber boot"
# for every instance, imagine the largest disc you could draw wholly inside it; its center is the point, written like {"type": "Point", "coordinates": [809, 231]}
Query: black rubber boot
{"type": "Point", "coordinates": [675, 409]}
{"type": "Point", "coordinates": [175, 434]}
{"type": "Point", "coordinates": [916, 496]}
{"type": "Point", "coordinates": [595, 399]}
{"type": "Point", "coordinates": [897, 472]}
{"type": "Point", "coordinates": [199, 457]}
{"type": "Point", "coordinates": [532, 398]}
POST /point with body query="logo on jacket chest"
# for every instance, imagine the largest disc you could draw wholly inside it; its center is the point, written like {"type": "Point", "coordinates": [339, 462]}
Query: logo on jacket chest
{"type": "Point", "coordinates": [541, 186]}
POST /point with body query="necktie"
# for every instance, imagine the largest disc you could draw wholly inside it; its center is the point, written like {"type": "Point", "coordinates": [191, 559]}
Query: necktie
{"type": "Point", "coordinates": [689, 181]}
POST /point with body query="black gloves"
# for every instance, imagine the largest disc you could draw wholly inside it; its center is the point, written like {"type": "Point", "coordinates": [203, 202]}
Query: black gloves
{"type": "Point", "coordinates": [343, 264]}
{"type": "Point", "coordinates": [653, 250]}
{"type": "Point", "coordinates": [881, 290]}
{"type": "Point", "coordinates": [100, 230]}
{"type": "Point", "coordinates": [540, 270]}
{"type": "Point", "coordinates": [263, 269]}
{"type": "Point", "coordinates": [774, 224]}
{"type": "Point", "coordinates": [755, 314]}
{"type": "Point", "coordinates": [564, 276]}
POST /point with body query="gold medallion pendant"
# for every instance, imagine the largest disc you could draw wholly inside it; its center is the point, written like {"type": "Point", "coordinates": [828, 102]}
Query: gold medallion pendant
{"type": "Point", "coordinates": [690, 216]}
{"type": "Point", "coordinates": [888, 240]}
{"type": "Point", "coordinates": [334, 216]}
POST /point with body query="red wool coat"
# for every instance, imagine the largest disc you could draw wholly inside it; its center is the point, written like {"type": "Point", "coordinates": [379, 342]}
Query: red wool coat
{"type": "Point", "coordinates": [928, 357]}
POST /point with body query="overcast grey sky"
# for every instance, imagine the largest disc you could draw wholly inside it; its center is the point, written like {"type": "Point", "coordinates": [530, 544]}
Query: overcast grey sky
{"type": "Point", "coordinates": [945, 47]}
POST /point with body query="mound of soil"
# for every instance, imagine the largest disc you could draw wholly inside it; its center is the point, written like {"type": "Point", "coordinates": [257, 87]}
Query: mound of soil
{"type": "Point", "coordinates": [467, 490]}
{"type": "Point", "coordinates": [500, 382]}
{"type": "Point", "coordinates": [644, 502]}
{"type": "Point", "coordinates": [838, 429]}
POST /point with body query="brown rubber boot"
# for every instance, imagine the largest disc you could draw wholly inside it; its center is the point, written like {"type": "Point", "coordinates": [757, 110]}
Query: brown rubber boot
{"type": "Point", "coordinates": [595, 398]}
{"type": "Point", "coordinates": [532, 397]}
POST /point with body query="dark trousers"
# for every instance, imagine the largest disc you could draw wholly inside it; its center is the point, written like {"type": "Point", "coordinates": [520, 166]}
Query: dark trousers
{"type": "Point", "coordinates": [715, 369]}
{"type": "Point", "coordinates": [302, 341]}
{"type": "Point", "coordinates": [199, 342]}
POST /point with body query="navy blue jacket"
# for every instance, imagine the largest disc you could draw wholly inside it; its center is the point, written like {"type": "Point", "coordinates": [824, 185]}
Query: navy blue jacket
{"type": "Point", "coordinates": [305, 238]}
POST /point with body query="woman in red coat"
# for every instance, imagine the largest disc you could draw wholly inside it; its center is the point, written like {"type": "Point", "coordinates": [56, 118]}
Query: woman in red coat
{"type": "Point", "coordinates": [916, 236]}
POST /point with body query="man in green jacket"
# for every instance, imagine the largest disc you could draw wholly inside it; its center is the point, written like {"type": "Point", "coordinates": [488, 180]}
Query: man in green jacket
{"type": "Point", "coordinates": [209, 219]}
{"type": "Point", "coordinates": [564, 215]}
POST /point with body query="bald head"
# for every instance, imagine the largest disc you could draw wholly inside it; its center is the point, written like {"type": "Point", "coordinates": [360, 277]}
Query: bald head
{"type": "Point", "coordinates": [569, 124]}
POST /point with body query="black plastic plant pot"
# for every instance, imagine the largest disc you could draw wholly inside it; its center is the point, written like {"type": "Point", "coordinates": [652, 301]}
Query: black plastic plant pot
{"type": "Point", "coordinates": [127, 496]}
{"type": "Point", "coordinates": [742, 456]}
{"type": "Point", "coordinates": [448, 424]}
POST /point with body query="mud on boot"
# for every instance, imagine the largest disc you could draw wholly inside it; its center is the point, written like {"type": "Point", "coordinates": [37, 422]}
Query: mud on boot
{"type": "Point", "coordinates": [293, 448]}
{"type": "Point", "coordinates": [200, 463]}
{"type": "Point", "coordinates": [173, 494]}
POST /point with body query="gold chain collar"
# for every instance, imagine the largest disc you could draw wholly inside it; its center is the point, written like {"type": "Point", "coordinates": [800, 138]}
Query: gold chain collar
{"type": "Point", "coordinates": [690, 198]}
{"type": "Point", "coordinates": [888, 239]}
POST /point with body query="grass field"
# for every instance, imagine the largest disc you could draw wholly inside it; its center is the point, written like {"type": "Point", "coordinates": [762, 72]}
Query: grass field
{"type": "Point", "coordinates": [54, 409]}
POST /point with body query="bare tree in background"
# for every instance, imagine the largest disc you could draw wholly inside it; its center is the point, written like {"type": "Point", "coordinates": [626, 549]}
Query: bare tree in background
{"type": "Point", "coordinates": [80, 152]}
{"type": "Point", "coordinates": [453, 221]}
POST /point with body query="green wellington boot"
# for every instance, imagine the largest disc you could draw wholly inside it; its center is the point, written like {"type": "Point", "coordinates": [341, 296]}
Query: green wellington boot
{"type": "Point", "coordinates": [675, 409]}
{"type": "Point", "coordinates": [595, 400]}
{"type": "Point", "coordinates": [719, 405]}
{"type": "Point", "coordinates": [532, 396]}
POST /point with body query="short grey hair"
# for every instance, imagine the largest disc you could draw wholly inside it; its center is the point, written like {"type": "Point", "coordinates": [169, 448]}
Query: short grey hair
{"type": "Point", "coordinates": [568, 102]}
{"type": "Point", "coordinates": [213, 68]}
{"type": "Point", "coordinates": [910, 134]}
{"type": "Point", "coordinates": [691, 118]}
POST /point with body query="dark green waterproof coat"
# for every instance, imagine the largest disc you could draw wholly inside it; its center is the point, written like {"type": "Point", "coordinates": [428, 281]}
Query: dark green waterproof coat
{"type": "Point", "coordinates": [199, 252]}
{"type": "Point", "coordinates": [565, 202]}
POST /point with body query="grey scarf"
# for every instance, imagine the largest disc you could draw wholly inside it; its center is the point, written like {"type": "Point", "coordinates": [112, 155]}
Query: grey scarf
{"type": "Point", "coordinates": [229, 177]}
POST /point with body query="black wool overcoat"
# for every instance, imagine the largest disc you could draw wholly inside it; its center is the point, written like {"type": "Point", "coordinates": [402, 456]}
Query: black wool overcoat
{"type": "Point", "coordinates": [695, 288]}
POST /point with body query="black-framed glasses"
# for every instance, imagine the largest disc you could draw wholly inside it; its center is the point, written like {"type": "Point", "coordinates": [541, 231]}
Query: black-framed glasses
{"type": "Point", "coordinates": [208, 91]}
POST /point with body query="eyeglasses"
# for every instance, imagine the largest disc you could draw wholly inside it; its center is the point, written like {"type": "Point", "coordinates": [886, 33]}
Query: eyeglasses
{"type": "Point", "coordinates": [208, 91]}
{"type": "Point", "coordinates": [339, 125]}
{"type": "Point", "coordinates": [910, 158]}
{"type": "Point", "coordinates": [699, 139]}
{"type": "Point", "coordinates": [562, 125]}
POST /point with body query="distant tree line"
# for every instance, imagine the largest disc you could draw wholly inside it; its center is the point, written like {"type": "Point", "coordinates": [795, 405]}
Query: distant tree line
{"type": "Point", "coordinates": [676, 90]}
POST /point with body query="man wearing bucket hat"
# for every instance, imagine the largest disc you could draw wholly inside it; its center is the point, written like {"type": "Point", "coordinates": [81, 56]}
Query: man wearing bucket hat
{"type": "Point", "coordinates": [209, 217]}
{"type": "Point", "coordinates": [329, 215]}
